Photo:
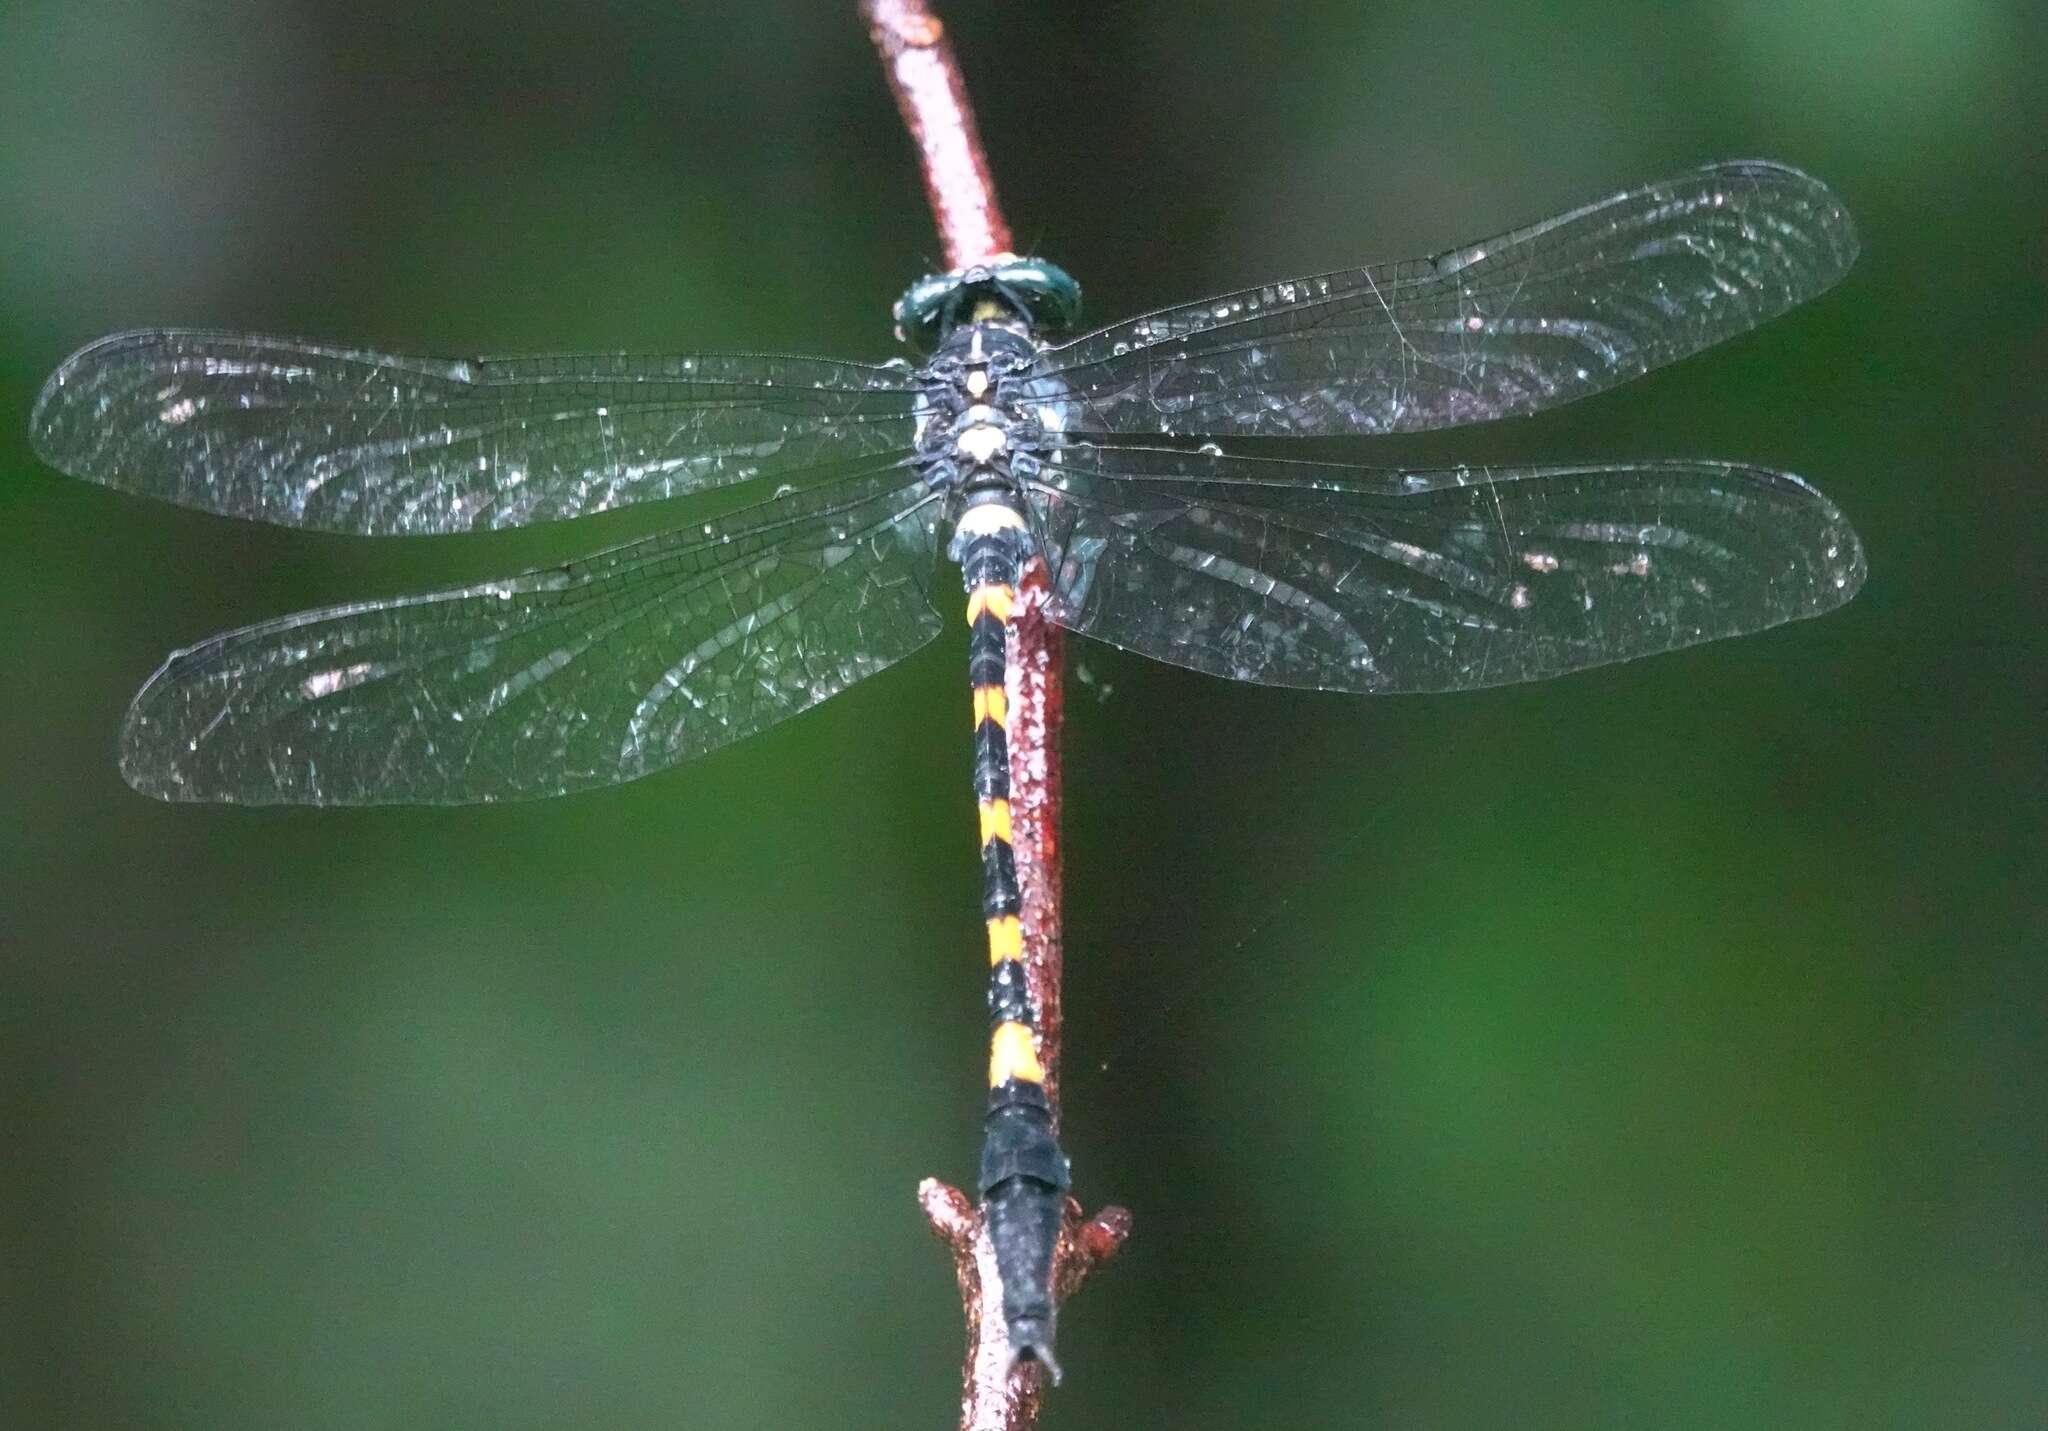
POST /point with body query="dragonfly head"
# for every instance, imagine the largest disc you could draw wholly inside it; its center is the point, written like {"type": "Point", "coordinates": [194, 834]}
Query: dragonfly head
{"type": "Point", "coordinates": [1040, 297]}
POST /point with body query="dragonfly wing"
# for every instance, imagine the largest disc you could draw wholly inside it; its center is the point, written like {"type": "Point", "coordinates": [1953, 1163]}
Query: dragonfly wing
{"type": "Point", "coordinates": [1369, 580]}
{"type": "Point", "coordinates": [1524, 321]}
{"type": "Point", "coordinates": [306, 435]}
{"type": "Point", "coordinates": [581, 675]}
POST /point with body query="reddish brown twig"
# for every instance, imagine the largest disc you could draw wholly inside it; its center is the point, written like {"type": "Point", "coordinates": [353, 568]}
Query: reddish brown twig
{"type": "Point", "coordinates": [932, 98]}
{"type": "Point", "coordinates": [1037, 706]}
{"type": "Point", "coordinates": [993, 1395]}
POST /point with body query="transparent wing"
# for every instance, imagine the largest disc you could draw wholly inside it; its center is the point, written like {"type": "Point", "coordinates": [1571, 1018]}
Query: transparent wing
{"type": "Point", "coordinates": [305, 435]}
{"type": "Point", "coordinates": [586, 674]}
{"type": "Point", "coordinates": [1362, 579]}
{"type": "Point", "coordinates": [1528, 320]}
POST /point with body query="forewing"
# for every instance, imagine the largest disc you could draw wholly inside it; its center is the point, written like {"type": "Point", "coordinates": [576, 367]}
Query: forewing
{"type": "Point", "coordinates": [345, 440]}
{"type": "Point", "coordinates": [1359, 579]}
{"type": "Point", "coordinates": [1513, 324]}
{"type": "Point", "coordinates": [581, 675]}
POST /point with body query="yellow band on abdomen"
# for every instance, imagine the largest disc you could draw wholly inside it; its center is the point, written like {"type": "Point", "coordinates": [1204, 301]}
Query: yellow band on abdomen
{"type": "Point", "coordinates": [995, 821]}
{"type": "Point", "coordinates": [1005, 938]}
{"type": "Point", "coordinates": [996, 600]}
{"type": "Point", "coordinates": [991, 703]}
{"type": "Point", "coordinates": [1013, 1053]}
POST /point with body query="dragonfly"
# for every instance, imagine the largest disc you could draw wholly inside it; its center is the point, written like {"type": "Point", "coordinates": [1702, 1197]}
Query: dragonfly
{"type": "Point", "coordinates": [1000, 441]}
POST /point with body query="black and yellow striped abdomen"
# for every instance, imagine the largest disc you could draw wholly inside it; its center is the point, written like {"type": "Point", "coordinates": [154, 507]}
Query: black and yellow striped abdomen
{"type": "Point", "coordinates": [1012, 1048]}
{"type": "Point", "coordinates": [1024, 1174]}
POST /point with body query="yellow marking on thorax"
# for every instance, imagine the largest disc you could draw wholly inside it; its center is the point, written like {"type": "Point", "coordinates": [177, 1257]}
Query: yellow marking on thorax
{"type": "Point", "coordinates": [1013, 1053]}
{"type": "Point", "coordinates": [1005, 938]}
{"type": "Point", "coordinates": [995, 821]}
{"type": "Point", "coordinates": [992, 703]}
{"type": "Point", "coordinates": [996, 600]}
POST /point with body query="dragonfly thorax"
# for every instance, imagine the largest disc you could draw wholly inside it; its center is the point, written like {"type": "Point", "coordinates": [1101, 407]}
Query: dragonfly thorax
{"type": "Point", "coordinates": [974, 431]}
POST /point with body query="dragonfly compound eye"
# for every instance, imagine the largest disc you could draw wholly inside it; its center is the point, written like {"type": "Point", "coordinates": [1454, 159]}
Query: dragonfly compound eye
{"type": "Point", "coordinates": [1039, 296]}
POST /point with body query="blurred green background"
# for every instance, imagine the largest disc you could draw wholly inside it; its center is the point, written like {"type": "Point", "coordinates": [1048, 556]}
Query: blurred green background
{"type": "Point", "coordinates": [1658, 1047]}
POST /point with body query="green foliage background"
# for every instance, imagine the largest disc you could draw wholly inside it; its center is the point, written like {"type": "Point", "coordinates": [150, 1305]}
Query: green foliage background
{"type": "Point", "coordinates": [1659, 1047]}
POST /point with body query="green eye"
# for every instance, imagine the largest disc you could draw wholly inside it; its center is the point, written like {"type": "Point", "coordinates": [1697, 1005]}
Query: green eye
{"type": "Point", "coordinates": [1044, 295]}
{"type": "Point", "coordinates": [1051, 296]}
{"type": "Point", "coordinates": [921, 313]}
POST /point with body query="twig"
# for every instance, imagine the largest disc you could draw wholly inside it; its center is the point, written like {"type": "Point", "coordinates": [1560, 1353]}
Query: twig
{"type": "Point", "coordinates": [932, 98]}
{"type": "Point", "coordinates": [1037, 707]}
{"type": "Point", "coordinates": [993, 1396]}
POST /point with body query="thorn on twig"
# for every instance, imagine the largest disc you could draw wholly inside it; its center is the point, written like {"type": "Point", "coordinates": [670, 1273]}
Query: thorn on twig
{"type": "Point", "coordinates": [1000, 1392]}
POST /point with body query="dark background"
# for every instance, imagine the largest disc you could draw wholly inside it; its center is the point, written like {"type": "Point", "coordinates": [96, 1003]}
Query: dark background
{"type": "Point", "coordinates": [1657, 1047]}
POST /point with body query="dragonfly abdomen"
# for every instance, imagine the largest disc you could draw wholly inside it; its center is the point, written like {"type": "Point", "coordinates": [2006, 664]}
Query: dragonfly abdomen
{"type": "Point", "coordinates": [1024, 1175]}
